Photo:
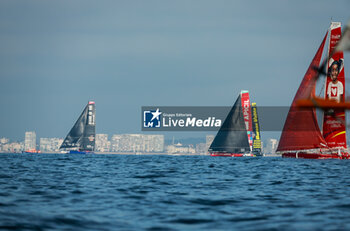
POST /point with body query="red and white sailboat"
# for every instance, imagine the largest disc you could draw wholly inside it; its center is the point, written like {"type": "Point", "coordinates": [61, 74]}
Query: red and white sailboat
{"type": "Point", "coordinates": [301, 136]}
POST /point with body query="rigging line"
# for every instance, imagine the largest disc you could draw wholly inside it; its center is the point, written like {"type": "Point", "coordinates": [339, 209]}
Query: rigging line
{"type": "Point", "coordinates": [322, 90]}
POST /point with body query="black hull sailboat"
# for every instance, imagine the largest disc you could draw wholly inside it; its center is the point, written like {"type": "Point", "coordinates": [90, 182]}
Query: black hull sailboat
{"type": "Point", "coordinates": [81, 138]}
{"type": "Point", "coordinates": [232, 139]}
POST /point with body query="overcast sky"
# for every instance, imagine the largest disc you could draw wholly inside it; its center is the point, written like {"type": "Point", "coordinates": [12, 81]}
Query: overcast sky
{"type": "Point", "coordinates": [57, 55]}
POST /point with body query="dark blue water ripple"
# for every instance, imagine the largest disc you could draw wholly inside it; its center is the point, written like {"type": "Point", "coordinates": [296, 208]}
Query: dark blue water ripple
{"type": "Point", "coordinates": [150, 192]}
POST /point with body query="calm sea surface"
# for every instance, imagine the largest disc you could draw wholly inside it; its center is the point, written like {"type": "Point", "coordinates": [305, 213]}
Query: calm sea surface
{"type": "Point", "coordinates": [152, 192]}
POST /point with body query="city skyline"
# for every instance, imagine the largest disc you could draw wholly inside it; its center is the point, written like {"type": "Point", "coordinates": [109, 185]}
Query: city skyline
{"type": "Point", "coordinates": [58, 55]}
{"type": "Point", "coordinates": [124, 143]}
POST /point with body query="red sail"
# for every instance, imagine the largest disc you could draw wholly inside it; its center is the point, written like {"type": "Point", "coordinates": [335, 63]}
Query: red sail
{"type": "Point", "coordinates": [301, 130]}
{"type": "Point", "coordinates": [334, 130]}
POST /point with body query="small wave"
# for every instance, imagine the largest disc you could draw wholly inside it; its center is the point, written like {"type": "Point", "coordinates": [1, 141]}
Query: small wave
{"type": "Point", "coordinates": [67, 221]}
{"type": "Point", "coordinates": [20, 226]}
{"type": "Point", "coordinates": [38, 192]}
{"type": "Point", "coordinates": [4, 176]}
{"type": "Point", "coordinates": [2, 204]}
{"type": "Point", "coordinates": [238, 219]}
{"type": "Point", "coordinates": [149, 176]}
{"type": "Point", "coordinates": [315, 213]}
{"type": "Point", "coordinates": [163, 183]}
{"type": "Point", "coordinates": [276, 182]}
{"type": "Point", "coordinates": [191, 221]}
{"type": "Point", "coordinates": [135, 197]}
{"type": "Point", "coordinates": [169, 202]}
{"type": "Point", "coordinates": [343, 206]}
{"type": "Point", "coordinates": [213, 202]}
{"type": "Point", "coordinates": [159, 228]}
{"type": "Point", "coordinates": [77, 192]}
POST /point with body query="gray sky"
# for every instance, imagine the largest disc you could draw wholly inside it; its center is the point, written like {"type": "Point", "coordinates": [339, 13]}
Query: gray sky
{"type": "Point", "coordinates": [57, 55]}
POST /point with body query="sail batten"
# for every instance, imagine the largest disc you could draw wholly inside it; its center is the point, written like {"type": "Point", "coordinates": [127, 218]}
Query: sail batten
{"type": "Point", "coordinates": [301, 130]}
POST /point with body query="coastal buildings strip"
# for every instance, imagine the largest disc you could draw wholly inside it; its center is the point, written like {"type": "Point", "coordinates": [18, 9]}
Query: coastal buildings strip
{"type": "Point", "coordinates": [121, 144]}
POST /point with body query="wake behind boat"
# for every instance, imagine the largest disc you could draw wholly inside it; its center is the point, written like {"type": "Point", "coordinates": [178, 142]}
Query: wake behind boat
{"type": "Point", "coordinates": [81, 138]}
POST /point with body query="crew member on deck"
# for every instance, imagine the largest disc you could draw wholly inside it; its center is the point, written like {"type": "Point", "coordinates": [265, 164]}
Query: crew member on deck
{"type": "Point", "coordinates": [335, 89]}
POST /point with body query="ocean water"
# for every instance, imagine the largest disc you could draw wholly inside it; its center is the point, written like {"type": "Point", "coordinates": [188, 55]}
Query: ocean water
{"type": "Point", "coordinates": [153, 192]}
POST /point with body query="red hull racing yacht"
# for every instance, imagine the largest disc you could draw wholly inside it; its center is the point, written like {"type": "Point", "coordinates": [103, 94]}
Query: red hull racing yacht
{"type": "Point", "coordinates": [232, 140]}
{"type": "Point", "coordinates": [301, 136]}
{"type": "Point", "coordinates": [81, 138]}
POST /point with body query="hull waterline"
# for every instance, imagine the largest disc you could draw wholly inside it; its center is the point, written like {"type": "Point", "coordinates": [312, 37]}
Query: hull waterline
{"type": "Point", "coordinates": [305, 155]}
{"type": "Point", "coordinates": [232, 154]}
{"type": "Point", "coordinates": [79, 152]}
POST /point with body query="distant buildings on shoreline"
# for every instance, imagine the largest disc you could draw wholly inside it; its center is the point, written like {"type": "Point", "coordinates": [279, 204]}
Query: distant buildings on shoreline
{"type": "Point", "coordinates": [29, 141]}
{"type": "Point", "coordinates": [13, 147]}
{"type": "Point", "coordinates": [50, 144]}
{"type": "Point", "coordinates": [134, 143]}
{"type": "Point", "coordinates": [119, 143]}
{"type": "Point", "coordinates": [123, 143]}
